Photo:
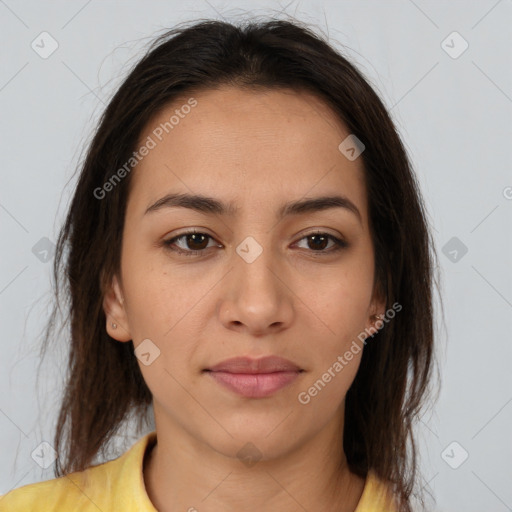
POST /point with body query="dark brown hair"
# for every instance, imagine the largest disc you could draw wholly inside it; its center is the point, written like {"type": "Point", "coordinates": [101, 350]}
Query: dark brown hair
{"type": "Point", "coordinates": [105, 386]}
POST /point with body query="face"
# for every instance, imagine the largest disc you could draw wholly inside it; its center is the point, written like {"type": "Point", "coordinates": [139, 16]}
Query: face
{"type": "Point", "coordinates": [254, 280]}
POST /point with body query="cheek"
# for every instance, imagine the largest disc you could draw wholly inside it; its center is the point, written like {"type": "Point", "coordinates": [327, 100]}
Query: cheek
{"type": "Point", "coordinates": [340, 299]}
{"type": "Point", "coordinates": [164, 306]}
{"type": "Point", "coordinates": [160, 312]}
{"type": "Point", "coordinates": [153, 297]}
{"type": "Point", "coordinates": [325, 389]}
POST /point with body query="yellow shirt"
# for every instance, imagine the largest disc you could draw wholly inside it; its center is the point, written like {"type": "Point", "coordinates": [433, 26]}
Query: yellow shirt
{"type": "Point", "coordinates": [86, 491]}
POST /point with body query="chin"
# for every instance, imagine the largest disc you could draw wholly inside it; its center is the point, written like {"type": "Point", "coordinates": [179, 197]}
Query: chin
{"type": "Point", "coordinates": [254, 440]}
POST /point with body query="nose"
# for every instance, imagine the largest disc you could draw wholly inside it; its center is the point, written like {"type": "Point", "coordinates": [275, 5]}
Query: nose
{"type": "Point", "coordinates": [256, 297]}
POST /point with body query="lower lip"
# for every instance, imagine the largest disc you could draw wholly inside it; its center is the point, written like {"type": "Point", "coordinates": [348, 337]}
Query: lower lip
{"type": "Point", "coordinates": [258, 385]}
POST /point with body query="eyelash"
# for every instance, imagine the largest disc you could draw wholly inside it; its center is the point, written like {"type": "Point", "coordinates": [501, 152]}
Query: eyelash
{"type": "Point", "coordinates": [339, 244]}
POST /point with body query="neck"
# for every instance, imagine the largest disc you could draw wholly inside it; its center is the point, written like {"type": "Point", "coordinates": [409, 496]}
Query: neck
{"type": "Point", "coordinates": [184, 473]}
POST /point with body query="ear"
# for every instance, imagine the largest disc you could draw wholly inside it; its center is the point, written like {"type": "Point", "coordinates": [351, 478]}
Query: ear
{"type": "Point", "coordinates": [377, 307]}
{"type": "Point", "coordinates": [115, 312]}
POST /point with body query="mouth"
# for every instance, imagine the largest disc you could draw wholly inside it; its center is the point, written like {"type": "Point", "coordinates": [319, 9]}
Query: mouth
{"type": "Point", "coordinates": [254, 378]}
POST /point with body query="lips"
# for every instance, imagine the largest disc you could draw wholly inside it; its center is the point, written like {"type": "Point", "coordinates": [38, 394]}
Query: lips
{"type": "Point", "coordinates": [246, 365]}
{"type": "Point", "coordinates": [254, 378]}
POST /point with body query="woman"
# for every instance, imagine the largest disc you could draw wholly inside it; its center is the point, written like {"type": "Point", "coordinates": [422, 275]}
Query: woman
{"type": "Point", "coordinates": [247, 251]}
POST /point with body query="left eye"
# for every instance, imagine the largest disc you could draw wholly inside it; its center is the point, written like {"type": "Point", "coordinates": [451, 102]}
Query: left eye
{"type": "Point", "coordinates": [199, 242]}
{"type": "Point", "coordinates": [319, 240]}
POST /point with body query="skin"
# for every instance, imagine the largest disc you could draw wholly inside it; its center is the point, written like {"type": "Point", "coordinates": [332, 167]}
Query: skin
{"type": "Point", "coordinates": [258, 149]}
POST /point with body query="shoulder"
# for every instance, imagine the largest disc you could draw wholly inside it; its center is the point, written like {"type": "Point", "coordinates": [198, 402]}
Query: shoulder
{"type": "Point", "coordinates": [377, 496]}
{"type": "Point", "coordinates": [114, 485]}
{"type": "Point", "coordinates": [56, 494]}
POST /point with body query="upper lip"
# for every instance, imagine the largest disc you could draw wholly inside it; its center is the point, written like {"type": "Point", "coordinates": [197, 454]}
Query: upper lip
{"type": "Point", "coordinates": [269, 364]}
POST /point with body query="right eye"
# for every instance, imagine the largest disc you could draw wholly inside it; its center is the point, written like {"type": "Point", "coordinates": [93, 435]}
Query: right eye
{"type": "Point", "coordinates": [195, 239]}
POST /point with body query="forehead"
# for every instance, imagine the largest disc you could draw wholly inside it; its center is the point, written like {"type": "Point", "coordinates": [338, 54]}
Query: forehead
{"type": "Point", "coordinates": [253, 148]}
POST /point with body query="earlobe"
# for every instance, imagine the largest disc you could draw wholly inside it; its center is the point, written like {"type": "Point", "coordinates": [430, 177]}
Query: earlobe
{"type": "Point", "coordinates": [115, 312]}
{"type": "Point", "coordinates": [378, 306]}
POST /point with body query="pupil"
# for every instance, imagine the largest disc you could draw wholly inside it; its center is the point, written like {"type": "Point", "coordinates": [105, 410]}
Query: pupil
{"type": "Point", "coordinates": [193, 237]}
{"type": "Point", "coordinates": [323, 239]}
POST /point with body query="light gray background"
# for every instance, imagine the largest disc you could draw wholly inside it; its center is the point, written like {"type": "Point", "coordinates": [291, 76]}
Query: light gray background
{"type": "Point", "coordinates": [454, 115]}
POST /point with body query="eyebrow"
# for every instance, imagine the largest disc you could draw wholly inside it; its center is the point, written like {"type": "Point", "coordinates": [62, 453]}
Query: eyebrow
{"type": "Point", "coordinates": [212, 206]}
